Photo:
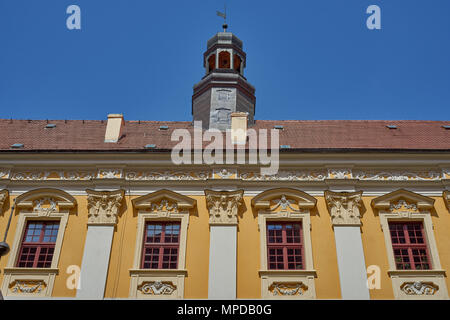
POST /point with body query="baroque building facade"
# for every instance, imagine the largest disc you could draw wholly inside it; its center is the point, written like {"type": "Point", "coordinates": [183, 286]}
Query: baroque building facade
{"type": "Point", "coordinates": [357, 209]}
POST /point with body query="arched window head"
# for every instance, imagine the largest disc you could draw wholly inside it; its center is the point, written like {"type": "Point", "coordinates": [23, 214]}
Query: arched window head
{"type": "Point", "coordinates": [224, 60]}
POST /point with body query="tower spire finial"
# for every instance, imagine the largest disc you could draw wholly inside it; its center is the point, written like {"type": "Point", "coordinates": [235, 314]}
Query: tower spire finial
{"type": "Point", "coordinates": [224, 16]}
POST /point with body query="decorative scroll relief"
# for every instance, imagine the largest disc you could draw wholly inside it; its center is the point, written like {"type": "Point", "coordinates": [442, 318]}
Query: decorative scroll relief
{"type": "Point", "coordinates": [339, 173]}
{"type": "Point", "coordinates": [283, 204]}
{"type": "Point", "coordinates": [4, 173]}
{"type": "Point", "coordinates": [157, 287]}
{"type": "Point", "coordinates": [27, 286]}
{"type": "Point", "coordinates": [44, 207]}
{"type": "Point", "coordinates": [225, 174]}
{"type": "Point", "coordinates": [288, 288]}
{"type": "Point", "coordinates": [419, 288]}
{"type": "Point", "coordinates": [296, 175]}
{"type": "Point", "coordinates": [397, 175]}
{"type": "Point", "coordinates": [104, 206]}
{"type": "Point", "coordinates": [223, 206]}
{"type": "Point", "coordinates": [109, 173]}
{"type": "Point", "coordinates": [164, 206]}
{"type": "Point", "coordinates": [166, 175]}
{"type": "Point", "coordinates": [403, 205]}
{"type": "Point", "coordinates": [344, 207]}
{"type": "Point", "coordinates": [77, 175]}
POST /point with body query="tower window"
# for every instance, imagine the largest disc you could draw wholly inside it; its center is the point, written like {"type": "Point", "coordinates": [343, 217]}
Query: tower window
{"type": "Point", "coordinates": [212, 62]}
{"type": "Point", "coordinates": [237, 63]}
{"type": "Point", "coordinates": [224, 60]}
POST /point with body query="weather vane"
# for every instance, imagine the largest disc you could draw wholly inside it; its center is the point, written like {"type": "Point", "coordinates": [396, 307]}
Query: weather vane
{"type": "Point", "coordinates": [224, 16]}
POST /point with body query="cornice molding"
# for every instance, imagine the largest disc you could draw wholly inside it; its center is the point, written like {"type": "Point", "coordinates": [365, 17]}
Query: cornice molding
{"type": "Point", "coordinates": [103, 206]}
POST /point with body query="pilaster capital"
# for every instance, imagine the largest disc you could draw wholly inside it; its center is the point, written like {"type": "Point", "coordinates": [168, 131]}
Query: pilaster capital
{"type": "Point", "coordinates": [3, 196]}
{"type": "Point", "coordinates": [223, 206]}
{"type": "Point", "coordinates": [344, 207]}
{"type": "Point", "coordinates": [104, 206]}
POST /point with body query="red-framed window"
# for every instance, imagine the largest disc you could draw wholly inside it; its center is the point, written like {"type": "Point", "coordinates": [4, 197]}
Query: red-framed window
{"type": "Point", "coordinates": [161, 245]}
{"type": "Point", "coordinates": [409, 246]}
{"type": "Point", "coordinates": [285, 246]}
{"type": "Point", "coordinates": [38, 244]}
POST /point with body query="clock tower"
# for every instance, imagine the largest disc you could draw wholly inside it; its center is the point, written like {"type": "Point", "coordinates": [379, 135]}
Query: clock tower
{"type": "Point", "coordinates": [224, 89]}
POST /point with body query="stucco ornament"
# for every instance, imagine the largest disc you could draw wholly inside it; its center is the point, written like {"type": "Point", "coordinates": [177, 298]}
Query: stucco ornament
{"type": "Point", "coordinates": [3, 196]}
{"type": "Point", "coordinates": [27, 286]}
{"type": "Point", "coordinates": [44, 207]}
{"type": "Point", "coordinates": [157, 288]}
{"type": "Point", "coordinates": [104, 206]}
{"type": "Point", "coordinates": [419, 288]}
{"type": "Point", "coordinates": [344, 207]}
{"type": "Point", "coordinates": [223, 206]}
{"type": "Point", "coordinates": [288, 288]}
{"type": "Point", "coordinates": [446, 199]}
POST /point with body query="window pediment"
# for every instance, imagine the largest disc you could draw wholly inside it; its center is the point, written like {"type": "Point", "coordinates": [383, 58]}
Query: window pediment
{"type": "Point", "coordinates": [164, 200]}
{"type": "Point", "coordinates": [284, 199]}
{"type": "Point", "coordinates": [403, 200]}
{"type": "Point", "coordinates": [45, 200]}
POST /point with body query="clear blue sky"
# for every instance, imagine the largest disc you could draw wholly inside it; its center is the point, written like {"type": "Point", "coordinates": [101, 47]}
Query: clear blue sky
{"type": "Point", "coordinates": [308, 59]}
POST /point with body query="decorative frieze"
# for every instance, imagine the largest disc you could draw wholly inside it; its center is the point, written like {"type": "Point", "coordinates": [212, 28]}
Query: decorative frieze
{"type": "Point", "coordinates": [167, 175]}
{"type": "Point", "coordinates": [397, 175]}
{"type": "Point", "coordinates": [419, 288]}
{"type": "Point", "coordinates": [294, 175]}
{"type": "Point", "coordinates": [315, 174]}
{"type": "Point", "coordinates": [344, 207]}
{"type": "Point", "coordinates": [104, 206]}
{"type": "Point", "coordinates": [288, 288]}
{"type": "Point", "coordinates": [157, 287]}
{"type": "Point", "coordinates": [3, 196]}
{"type": "Point", "coordinates": [27, 286]}
{"type": "Point", "coordinates": [223, 206]}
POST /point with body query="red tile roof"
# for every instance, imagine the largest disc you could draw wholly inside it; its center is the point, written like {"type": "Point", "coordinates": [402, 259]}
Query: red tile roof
{"type": "Point", "coordinates": [88, 135]}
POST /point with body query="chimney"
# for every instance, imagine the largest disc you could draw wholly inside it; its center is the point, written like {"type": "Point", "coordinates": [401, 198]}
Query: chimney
{"type": "Point", "coordinates": [239, 127]}
{"type": "Point", "coordinates": [114, 127]}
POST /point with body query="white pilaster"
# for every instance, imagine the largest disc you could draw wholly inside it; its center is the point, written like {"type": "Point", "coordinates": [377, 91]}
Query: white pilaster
{"type": "Point", "coordinates": [346, 220]}
{"type": "Point", "coordinates": [351, 263]}
{"type": "Point", "coordinates": [94, 267]}
{"type": "Point", "coordinates": [223, 209]}
{"type": "Point", "coordinates": [222, 262]}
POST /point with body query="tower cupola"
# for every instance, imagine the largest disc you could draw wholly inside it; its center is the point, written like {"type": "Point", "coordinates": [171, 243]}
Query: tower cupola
{"type": "Point", "coordinates": [224, 89]}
